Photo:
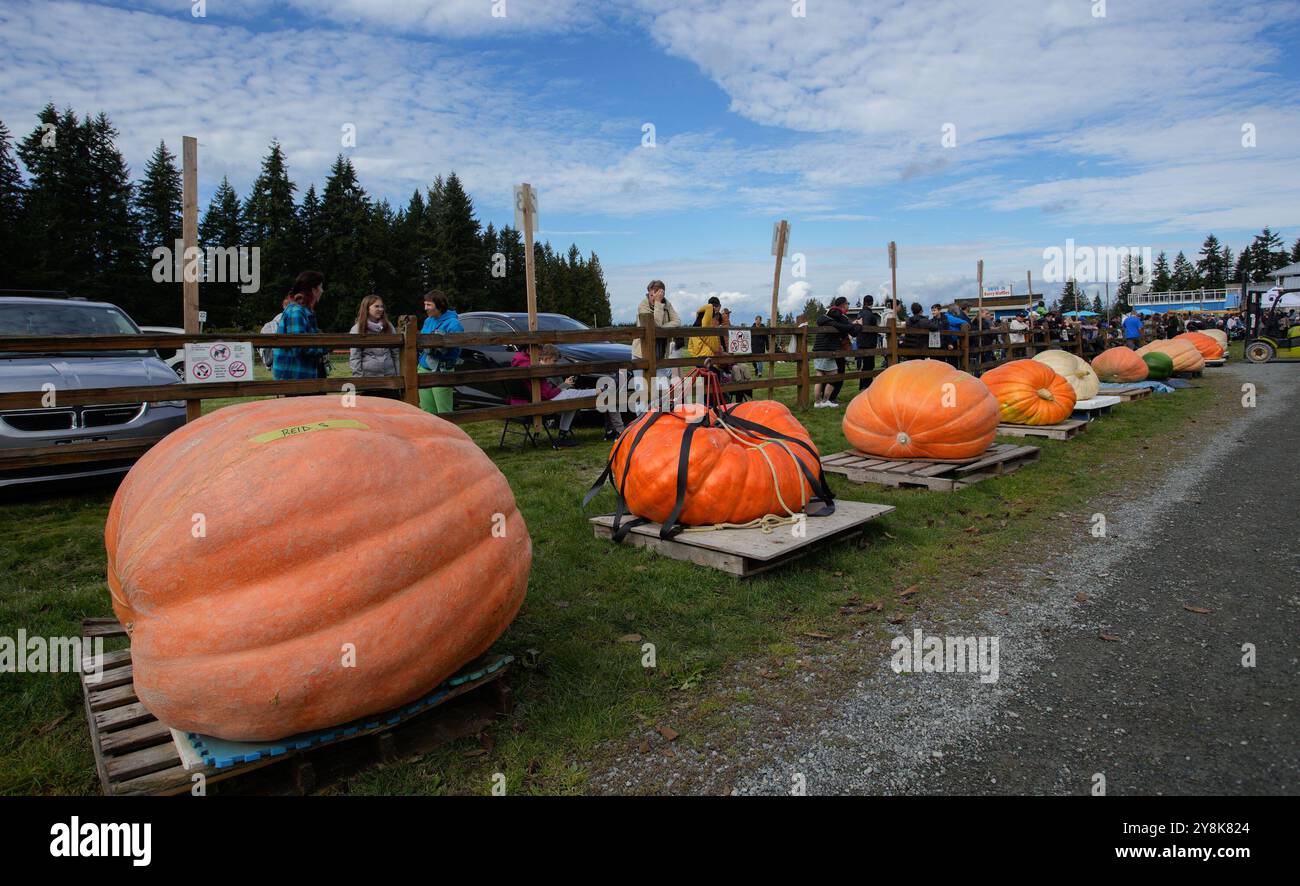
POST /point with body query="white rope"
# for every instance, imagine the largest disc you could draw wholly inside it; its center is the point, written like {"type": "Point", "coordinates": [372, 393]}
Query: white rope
{"type": "Point", "coordinates": [768, 522]}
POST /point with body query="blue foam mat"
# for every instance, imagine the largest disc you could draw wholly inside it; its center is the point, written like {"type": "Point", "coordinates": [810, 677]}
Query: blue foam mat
{"type": "Point", "coordinates": [222, 754]}
{"type": "Point", "coordinates": [1155, 386]}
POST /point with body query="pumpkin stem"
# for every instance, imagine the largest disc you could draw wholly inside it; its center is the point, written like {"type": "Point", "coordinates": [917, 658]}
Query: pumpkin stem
{"type": "Point", "coordinates": [1045, 394]}
{"type": "Point", "coordinates": [903, 439]}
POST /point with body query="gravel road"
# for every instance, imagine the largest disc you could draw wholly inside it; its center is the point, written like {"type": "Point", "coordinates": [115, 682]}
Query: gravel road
{"type": "Point", "coordinates": [1123, 660]}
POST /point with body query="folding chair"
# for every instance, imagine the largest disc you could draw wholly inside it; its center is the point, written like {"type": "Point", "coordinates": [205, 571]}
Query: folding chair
{"type": "Point", "coordinates": [522, 425]}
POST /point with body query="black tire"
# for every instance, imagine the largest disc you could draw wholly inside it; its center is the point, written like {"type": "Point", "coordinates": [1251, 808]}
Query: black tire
{"type": "Point", "coordinates": [1260, 352]}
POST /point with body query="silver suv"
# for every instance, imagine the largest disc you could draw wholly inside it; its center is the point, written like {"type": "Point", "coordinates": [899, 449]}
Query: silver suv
{"type": "Point", "coordinates": [71, 370]}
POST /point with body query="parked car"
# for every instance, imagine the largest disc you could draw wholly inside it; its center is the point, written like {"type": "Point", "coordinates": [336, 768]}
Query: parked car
{"type": "Point", "coordinates": [173, 357]}
{"type": "Point", "coordinates": [71, 370]}
{"type": "Point", "coordinates": [495, 393]}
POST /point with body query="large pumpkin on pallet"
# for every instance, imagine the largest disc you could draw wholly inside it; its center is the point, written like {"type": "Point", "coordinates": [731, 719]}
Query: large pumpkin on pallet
{"type": "Point", "coordinates": [922, 409]}
{"type": "Point", "coordinates": [1184, 354]}
{"type": "Point", "coordinates": [1209, 348]}
{"type": "Point", "coordinates": [293, 564]}
{"type": "Point", "coordinates": [1030, 393]}
{"type": "Point", "coordinates": [1219, 336]}
{"type": "Point", "coordinates": [1119, 366]}
{"type": "Point", "coordinates": [732, 475]}
{"type": "Point", "coordinates": [1159, 365]}
{"type": "Point", "coordinates": [1073, 369]}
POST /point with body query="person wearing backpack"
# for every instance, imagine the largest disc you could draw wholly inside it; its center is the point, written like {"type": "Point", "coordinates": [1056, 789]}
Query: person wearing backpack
{"type": "Point", "coordinates": [441, 320]}
{"type": "Point", "coordinates": [299, 318]}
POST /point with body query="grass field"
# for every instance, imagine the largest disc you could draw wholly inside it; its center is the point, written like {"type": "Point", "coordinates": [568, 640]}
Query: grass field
{"type": "Point", "coordinates": [587, 687]}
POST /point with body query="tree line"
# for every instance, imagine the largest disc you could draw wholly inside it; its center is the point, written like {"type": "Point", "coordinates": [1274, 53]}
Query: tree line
{"type": "Point", "coordinates": [1215, 267]}
{"type": "Point", "coordinates": [75, 222]}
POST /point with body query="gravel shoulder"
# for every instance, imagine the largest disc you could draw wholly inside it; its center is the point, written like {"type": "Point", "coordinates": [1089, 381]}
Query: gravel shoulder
{"type": "Point", "coordinates": [1120, 657]}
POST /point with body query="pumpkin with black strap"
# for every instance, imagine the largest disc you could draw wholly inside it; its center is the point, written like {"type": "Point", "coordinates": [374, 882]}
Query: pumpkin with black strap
{"type": "Point", "coordinates": [730, 465]}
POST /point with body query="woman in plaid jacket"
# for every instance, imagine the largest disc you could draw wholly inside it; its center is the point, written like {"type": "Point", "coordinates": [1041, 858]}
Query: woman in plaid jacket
{"type": "Point", "coordinates": [299, 318]}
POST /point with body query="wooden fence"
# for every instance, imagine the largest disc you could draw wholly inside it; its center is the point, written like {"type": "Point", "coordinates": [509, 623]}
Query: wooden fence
{"type": "Point", "coordinates": [975, 350]}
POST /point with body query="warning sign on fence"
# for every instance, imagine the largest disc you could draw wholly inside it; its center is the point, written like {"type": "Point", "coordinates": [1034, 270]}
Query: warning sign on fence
{"type": "Point", "coordinates": [738, 342]}
{"type": "Point", "coordinates": [218, 361]}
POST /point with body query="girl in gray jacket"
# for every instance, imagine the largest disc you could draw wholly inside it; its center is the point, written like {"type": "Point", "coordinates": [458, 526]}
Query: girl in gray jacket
{"type": "Point", "coordinates": [372, 320]}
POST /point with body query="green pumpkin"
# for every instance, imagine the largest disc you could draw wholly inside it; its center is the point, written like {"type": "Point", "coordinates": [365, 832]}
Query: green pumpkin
{"type": "Point", "coordinates": [1159, 366]}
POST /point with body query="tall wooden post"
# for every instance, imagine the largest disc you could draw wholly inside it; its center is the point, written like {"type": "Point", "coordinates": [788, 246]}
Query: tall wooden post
{"type": "Point", "coordinates": [410, 361]}
{"type": "Point", "coordinates": [782, 238]}
{"type": "Point", "coordinates": [893, 277]}
{"type": "Point", "coordinates": [190, 240]}
{"type": "Point", "coordinates": [649, 345]}
{"type": "Point", "coordinates": [804, 333]}
{"type": "Point", "coordinates": [530, 285]}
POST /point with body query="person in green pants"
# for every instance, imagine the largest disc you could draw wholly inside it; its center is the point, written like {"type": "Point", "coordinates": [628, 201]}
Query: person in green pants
{"type": "Point", "coordinates": [440, 320]}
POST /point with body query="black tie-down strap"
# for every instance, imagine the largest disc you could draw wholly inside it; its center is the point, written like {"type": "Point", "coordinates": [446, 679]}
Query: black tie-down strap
{"type": "Point", "coordinates": [821, 489]}
{"type": "Point", "coordinates": [621, 531]}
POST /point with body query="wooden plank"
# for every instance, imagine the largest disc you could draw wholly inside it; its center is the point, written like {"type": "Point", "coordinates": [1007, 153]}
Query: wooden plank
{"type": "Point", "coordinates": [746, 551]}
{"type": "Point", "coordinates": [1011, 453]}
{"type": "Point", "coordinates": [110, 679]}
{"type": "Point", "coordinates": [102, 627]}
{"type": "Point", "coordinates": [112, 697]}
{"type": "Point", "coordinates": [118, 658]}
{"type": "Point", "coordinates": [1061, 431]}
{"type": "Point", "coordinates": [121, 718]}
{"type": "Point", "coordinates": [142, 762]}
{"type": "Point", "coordinates": [143, 736]}
{"type": "Point", "coordinates": [101, 767]}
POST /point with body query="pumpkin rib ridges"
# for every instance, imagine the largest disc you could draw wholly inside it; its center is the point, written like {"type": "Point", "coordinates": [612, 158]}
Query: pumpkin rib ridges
{"type": "Point", "coordinates": [234, 600]}
{"type": "Point", "coordinates": [176, 504]}
{"type": "Point", "coordinates": [392, 680]}
{"type": "Point", "coordinates": [148, 498]}
{"type": "Point", "coordinates": [147, 647]}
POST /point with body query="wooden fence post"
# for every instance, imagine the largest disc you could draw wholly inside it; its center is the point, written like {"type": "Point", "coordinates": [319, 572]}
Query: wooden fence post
{"type": "Point", "coordinates": [965, 348]}
{"type": "Point", "coordinates": [803, 335]}
{"type": "Point", "coordinates": [891, 358]}
{"type": "Point", "coordinates": [410, 359]}
{"type": "Point", "coordinates": [190, 240]}
{"type": "Point", "coordinates": [649, 345]}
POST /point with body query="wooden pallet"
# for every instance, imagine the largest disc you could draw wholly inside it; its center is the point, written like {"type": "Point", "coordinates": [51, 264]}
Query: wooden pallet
{"type": "Point", "coordinates": [1128, 395]}
{"type": "Point", "coordinates": [135, 753]}
{"type": "Point", "coordinates": [1059, 431]}
{"type": "Point", "coordinates": [1220, 361]}
{"type": "Point", "coordinates": [939, 475]}
{"type": "Point", "coordinates": [1196, 373]}
{"type": "Point", "coordinates": [746, 552]}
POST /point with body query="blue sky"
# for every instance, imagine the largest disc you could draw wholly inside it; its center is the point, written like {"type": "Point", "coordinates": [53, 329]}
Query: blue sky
{"type": "Point", "coordinates": [1114, 129]}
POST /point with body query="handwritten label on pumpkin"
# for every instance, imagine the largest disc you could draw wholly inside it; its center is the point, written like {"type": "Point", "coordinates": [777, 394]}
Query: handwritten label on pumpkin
{"type": "Point", "coordinates": [297, 430]}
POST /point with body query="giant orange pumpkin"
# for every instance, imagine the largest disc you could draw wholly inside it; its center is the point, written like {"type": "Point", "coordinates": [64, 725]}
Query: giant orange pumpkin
{"type": "Point", "coordinates": [1185, 355]}
{"type": "Point", "coordinates": [255, 551]}
{"type": "Point", "coordinates": [730, 477]}
{"type": "Point", "coordinates": [1209, 348]}
{"type": "Point", "coordinates": [1119, 365]}
{"type": "Point", "coordinates": [1030, 393]}
{"type": "Point", "coordinates": [922, 409]}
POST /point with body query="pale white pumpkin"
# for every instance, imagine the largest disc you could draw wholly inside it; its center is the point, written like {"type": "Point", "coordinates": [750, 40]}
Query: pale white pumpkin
{"type": "Point", "coordinates": [1073, 369]}
{"type": "Point", "coordinates": [1218, 335]}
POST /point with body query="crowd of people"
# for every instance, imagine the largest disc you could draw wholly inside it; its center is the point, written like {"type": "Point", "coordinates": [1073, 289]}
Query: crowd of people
{"type": "Point", "coordinates": [836, 331]}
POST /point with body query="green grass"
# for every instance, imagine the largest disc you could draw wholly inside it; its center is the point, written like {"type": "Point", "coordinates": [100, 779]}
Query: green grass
{"type": "Point", "coordinates": [586, 687]}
